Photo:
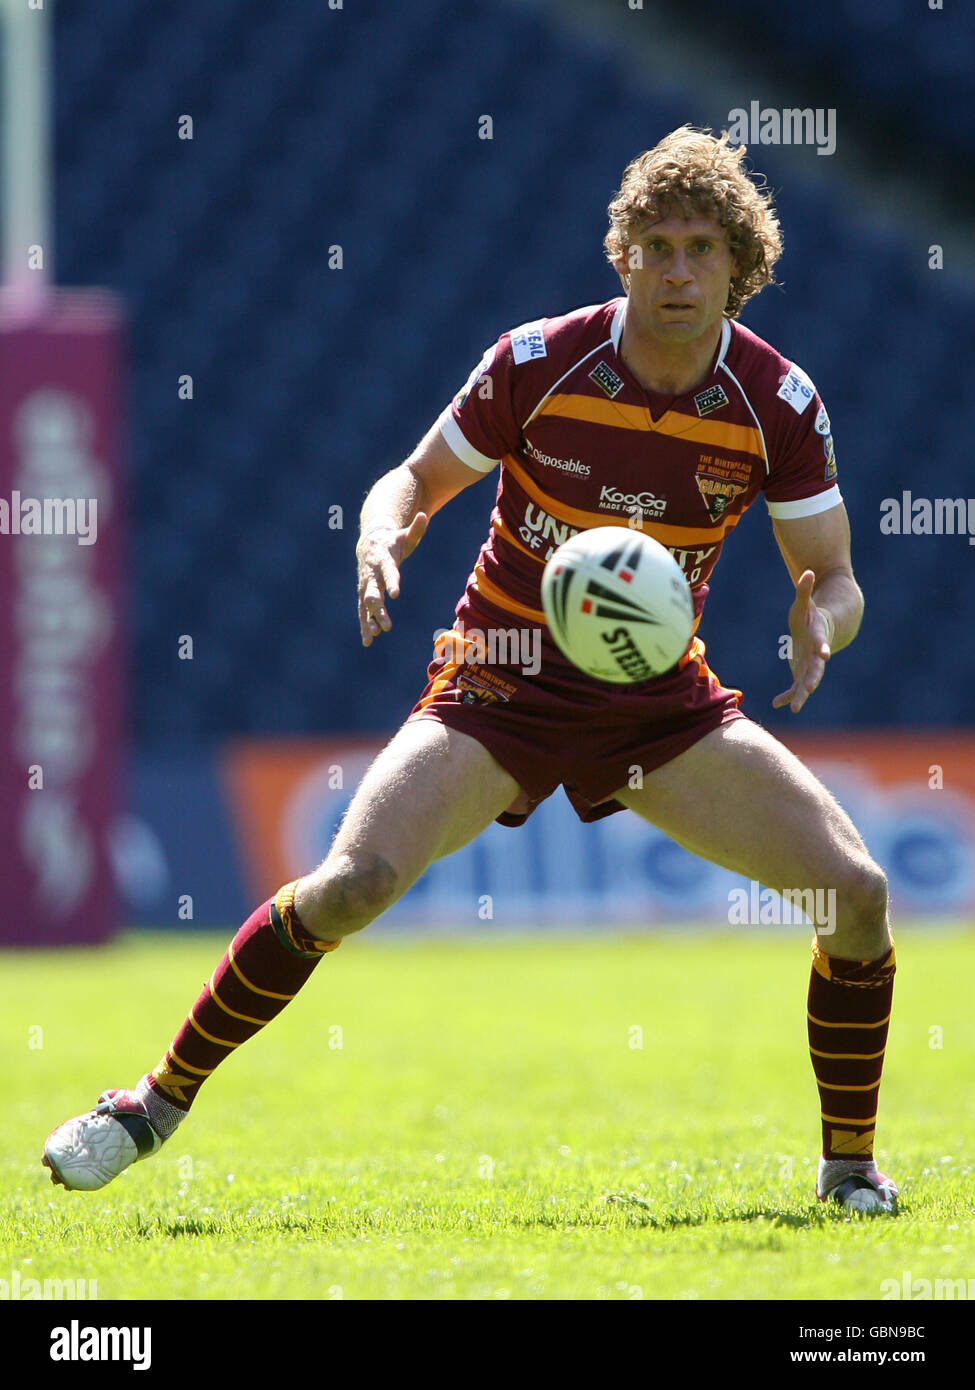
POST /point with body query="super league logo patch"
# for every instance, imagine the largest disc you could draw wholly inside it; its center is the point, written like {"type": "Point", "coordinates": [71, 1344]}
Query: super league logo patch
{"type": "Point", "coordinates": [711, 399]}
{"type": "Point", "coordinates": [528, 342]}
{"type": "Point", "coordinates": [606, 379]}
{"type": "Point", "coordinates": [796, 389]}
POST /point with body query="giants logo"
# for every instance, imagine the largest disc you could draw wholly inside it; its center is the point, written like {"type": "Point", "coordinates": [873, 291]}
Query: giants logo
{"type": "Point", "coordinates": [717, 493]}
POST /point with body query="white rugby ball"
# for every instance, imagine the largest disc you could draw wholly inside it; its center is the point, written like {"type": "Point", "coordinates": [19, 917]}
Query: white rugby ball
{"type": "Point", "coordinates": [617, 604]}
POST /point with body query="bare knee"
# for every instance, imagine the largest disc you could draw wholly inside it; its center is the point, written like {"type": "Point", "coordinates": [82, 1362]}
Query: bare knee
{"type": "Point", "coordinates": [861, 912]}
{"type": "Point", "coordinates": [864, 895]}
{"type": "Point", "coordinates": [345, 894]}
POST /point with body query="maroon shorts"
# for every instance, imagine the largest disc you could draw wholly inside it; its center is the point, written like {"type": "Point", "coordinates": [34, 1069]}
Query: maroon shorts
{"type": "Point", "coordinates": [561, 728]}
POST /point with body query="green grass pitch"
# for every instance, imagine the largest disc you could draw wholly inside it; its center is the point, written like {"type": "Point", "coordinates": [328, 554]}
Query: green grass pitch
{"type": "Point", "coordinates": [598, 1118]}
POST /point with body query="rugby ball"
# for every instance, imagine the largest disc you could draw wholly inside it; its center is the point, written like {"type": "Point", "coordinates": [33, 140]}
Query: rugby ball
{"type": "Point", "coordinates": [617, 604]}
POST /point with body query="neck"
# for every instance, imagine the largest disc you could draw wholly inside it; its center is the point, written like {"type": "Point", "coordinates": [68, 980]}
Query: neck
{"type": "Point", "coordinates": [670, 368]}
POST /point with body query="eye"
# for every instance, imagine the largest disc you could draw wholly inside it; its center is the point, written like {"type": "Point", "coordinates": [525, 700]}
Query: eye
{"type": "Point", "coordinates": [702, 247]}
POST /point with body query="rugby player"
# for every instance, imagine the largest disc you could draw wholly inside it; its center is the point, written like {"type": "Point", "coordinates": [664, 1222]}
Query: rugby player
{"type": "Point", "coordinates": [656, 410]}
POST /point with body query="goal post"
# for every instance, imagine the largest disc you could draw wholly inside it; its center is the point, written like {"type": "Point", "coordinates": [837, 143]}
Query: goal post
{"type": "Point", "coordinates": [62, 674]}
{"type": "Point", "coordinates": [25, 108]}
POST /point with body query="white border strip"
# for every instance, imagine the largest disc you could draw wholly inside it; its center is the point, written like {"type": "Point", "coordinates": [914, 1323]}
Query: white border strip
{"type": "Point", "coordinates": [451, 432]}
{"type": "Point", "coordinates": [761, 435]}
{"type": "Point", "coordinates": [806, 506]}
{"type": "Point", "coordinates": [607, 342]}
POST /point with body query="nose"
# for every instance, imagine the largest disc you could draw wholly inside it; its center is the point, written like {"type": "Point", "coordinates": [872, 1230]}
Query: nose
{"type": "Point", "coordinates": [678, 272]}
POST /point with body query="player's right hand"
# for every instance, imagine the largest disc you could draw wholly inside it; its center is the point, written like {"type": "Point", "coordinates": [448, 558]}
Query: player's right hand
{"type": "Point", "coordinates": [380, 552]}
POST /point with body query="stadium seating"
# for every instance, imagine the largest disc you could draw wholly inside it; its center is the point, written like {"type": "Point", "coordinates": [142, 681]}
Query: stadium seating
{"type": "Point", "coordinates": [908, 65]}
{"type": "Point", "coordinates": [310, 131]}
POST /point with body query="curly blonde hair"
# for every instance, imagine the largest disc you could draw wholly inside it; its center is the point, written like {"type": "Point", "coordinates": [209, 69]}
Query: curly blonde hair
{"type": "Point", "coordinates": [692, 173]}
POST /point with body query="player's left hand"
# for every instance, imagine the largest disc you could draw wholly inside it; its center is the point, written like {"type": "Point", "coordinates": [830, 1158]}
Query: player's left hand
{"type": "Point", "coordinates": [809, 630]}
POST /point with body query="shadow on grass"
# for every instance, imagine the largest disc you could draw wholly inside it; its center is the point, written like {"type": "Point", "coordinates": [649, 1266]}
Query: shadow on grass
{"type": "Point", "coordinates": [637, 1212]}
{"type": "Point", "coordinates": [317, 1227]}
{"type": "Point", "coordinates": [640, 1212]}
{"type": "Point", "coordinates": [238, 1226]}
{"type": "Point", "coordinates": [190, 1226]}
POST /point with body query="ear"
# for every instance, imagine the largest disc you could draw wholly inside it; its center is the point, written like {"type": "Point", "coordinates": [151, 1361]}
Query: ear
{"type": "Point", "coordinates": [737, 259]}
{"type": "Point", "coordinates": [621, 266]}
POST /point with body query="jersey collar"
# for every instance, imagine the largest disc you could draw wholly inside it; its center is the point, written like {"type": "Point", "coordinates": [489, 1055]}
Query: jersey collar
{"type": "Point", "coordinates": [725, 341]}
{"type": "Point", "coordinates": [616, 327]}
{"type": "Point", "coordinates": [616, 333]}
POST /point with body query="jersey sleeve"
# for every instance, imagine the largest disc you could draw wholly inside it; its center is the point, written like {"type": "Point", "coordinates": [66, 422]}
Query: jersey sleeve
{"type": "Point", "coordinates": [482, 423]}
{"type": "Point", "coordinates": [802, 474]}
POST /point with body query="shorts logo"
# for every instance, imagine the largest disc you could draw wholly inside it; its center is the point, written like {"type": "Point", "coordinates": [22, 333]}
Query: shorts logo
{"type": "Point", "coordinates": [528, 342]}
{"type": "Point", "coordinates": [717, 493]}
{"type": "Point", "coordinates": [475, 692]}
{"type": "Point", "coordinates": [796, 389]}
{"type": "Point", "coordinates": [711, 399]}
{"type": "Point", "coordinates": [606, 379]}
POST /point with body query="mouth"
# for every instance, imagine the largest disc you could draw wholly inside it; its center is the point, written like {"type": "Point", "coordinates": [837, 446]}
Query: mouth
{"type": "Point", "coordinates": [677, 306]}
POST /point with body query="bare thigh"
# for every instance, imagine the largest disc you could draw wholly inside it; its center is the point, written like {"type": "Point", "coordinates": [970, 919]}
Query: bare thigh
{"type": "Point", "coordinates": [430, 791]}
{"type": "Point", "coordinates": [741, 799]}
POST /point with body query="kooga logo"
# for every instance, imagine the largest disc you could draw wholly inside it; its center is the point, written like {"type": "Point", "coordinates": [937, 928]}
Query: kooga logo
{"type": "Point", "coordinates": [616, 500]}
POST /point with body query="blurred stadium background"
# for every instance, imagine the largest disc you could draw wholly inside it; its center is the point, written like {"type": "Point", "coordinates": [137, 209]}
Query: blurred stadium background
{"type": "Point", "coordinates": [307, 246]}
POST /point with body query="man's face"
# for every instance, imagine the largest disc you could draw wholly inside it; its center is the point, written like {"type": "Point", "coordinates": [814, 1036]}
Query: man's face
{"type": "Point", "coordinates": [681, 288]}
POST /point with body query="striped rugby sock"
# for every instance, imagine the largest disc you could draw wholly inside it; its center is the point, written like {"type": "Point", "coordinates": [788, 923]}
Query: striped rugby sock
{"type": "Point", "coordinates": [264, 967]}
{"type": "Point", "coordinates": [848, 1012]}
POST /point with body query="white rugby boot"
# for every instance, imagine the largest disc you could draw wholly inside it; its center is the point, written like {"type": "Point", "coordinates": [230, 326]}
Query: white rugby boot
{"type": "Point", "coordinates": [88, 1151]}
{"type": "Point", "coordinates": [855, 1187]}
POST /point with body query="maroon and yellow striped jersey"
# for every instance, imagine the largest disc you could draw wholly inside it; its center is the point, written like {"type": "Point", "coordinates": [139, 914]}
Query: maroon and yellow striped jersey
{"type": "Point", "coordinates": [581, 443]}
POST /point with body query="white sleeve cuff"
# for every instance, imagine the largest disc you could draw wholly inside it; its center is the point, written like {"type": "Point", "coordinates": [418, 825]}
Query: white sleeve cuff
{"type": "Point", "coordinates": [451, 432]}
{"type": "Point", "coordinates": [806, 506]}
